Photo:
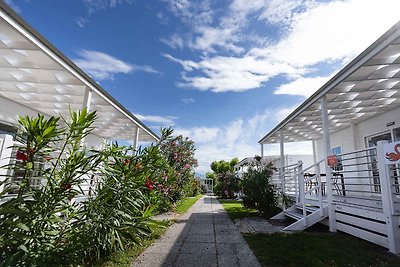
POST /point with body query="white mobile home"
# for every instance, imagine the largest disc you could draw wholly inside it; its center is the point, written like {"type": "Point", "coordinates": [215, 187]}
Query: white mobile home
{"type": "Point", "coordinates": [35, 77]}
{"type": "Point", "coordinates": [345, 120]}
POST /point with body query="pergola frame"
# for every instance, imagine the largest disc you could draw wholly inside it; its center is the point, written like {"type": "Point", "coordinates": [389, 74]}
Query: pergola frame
{"type": "Point", "coordinates": [35, 74]}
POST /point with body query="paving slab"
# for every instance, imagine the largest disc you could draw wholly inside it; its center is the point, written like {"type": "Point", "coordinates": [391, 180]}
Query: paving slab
{"type": "Point", "coordinates": [204, 236]}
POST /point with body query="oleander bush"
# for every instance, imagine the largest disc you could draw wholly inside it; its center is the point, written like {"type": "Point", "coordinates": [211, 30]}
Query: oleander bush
{"type": "Point", "coordinates": [44, 221]}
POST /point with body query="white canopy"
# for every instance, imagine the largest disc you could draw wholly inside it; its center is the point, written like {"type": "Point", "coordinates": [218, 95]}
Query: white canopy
{"type": "Point", "coordinates": [369, 85]}
{"type": "Point", "coordinates": [35, 74]}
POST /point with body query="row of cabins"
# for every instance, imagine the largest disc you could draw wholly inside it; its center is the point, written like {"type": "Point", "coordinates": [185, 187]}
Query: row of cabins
{"type": "Point", "coordinates": [35, 77]}
{"type": "Point", "coordinates": [353, 183]}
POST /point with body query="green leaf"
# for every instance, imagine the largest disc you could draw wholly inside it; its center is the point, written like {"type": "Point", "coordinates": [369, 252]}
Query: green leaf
{"type": "Point", "coordinates": [24, 248]}
{"type": "Point", "coordinates": [22, 226]}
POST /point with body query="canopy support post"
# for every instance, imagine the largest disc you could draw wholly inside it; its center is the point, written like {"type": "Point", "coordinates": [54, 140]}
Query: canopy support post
{"type": "Point", "coordinates": [328, 170]}
{"type": "Point", "coordinates": [136, 140]}
{"type": "Point", "coordinates": [281, 169]}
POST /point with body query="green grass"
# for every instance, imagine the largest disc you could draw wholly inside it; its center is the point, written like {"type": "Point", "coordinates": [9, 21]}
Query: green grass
{"type": "Point", "coordinates": [317, 249]}
{"type": "Point", "coordinates": [236, 210]}
{"type": "Point", "coordinates": [127, 257]}
{"type": "Point", "coordinates": [186, 203]}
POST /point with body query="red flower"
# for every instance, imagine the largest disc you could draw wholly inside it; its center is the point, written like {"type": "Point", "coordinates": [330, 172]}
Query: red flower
{"type": "Point", "coordinates": [67, 186]}
{"type": "Point", "coordinates": [126, 162]}
{"type": "Point", "coordinates": [21, 156]}
{"type": "Point", "coordinates": [149, 184]}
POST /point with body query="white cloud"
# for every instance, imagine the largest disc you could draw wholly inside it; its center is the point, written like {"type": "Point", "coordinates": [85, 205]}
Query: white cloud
{"type": "Point", "coordinates": [187, 100]}
{"type": "Point", "coordinates": [311, 34]}
{"type": "Point", "coordinates": [174, 41]}
{"type": "Point", "coordinates": [238, 138]}
{"type": "Point", "coordinates": [11, 4]}
{"type": "Point", "coordinates": [81, 21]}
{"type": "Point", "coordinates": [210, 38]}
{"type": "Point", "coordinates": [201, 135]}
{"type": "Point", "coordinates": [237, 74]}
{"type": "Point", "coordinates": [102, 66]}
{"type": "Point", "coordinates": [164, 120]}
{"type": "Point", "coordinates": [314, 37]}
{"type": "Point", "coordinates": [302, 86]}
{"type": "Point", "coordinates": [96, 5]}
{"type": "Point", "coordinates": [191, 12]}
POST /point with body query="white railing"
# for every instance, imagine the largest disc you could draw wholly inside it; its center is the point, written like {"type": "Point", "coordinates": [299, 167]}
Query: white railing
{"type": "Point", "coordinates": [311, 185]}
{"type": "Point", "coordinates": [356, 179]}
{"type": "Point", "coordinates": [286, 182]}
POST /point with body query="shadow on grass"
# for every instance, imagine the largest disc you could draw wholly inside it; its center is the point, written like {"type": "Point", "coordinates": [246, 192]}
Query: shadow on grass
{"type": "Point", "coordinates": [314, 248]}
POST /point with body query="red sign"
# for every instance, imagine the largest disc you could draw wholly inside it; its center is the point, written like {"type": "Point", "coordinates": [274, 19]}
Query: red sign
{"type": "Point", "coordinates": [332, 160]}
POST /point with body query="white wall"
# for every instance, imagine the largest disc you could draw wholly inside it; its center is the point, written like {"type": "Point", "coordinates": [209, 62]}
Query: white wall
{"type": "Point", "coordinates": [94, 142]}
{"type": "Point", "coordinates": [351, 141]}
{"type": "Point", "coordinates": [372, 126]}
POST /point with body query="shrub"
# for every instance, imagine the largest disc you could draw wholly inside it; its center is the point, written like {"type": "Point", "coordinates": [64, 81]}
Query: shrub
{"type": "Point", "coordinates": [120, 212]}
{"type": "Point", "coordinates": [179, 153]}
{"type": "Point", "coordinates": [43, 224]}
{"type": "Point", "coordinates": [36, 223]}
{"type": "Point", "coordinates": [258, 193]}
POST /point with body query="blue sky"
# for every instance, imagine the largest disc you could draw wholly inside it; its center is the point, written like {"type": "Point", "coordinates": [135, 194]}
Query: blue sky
{"type": "Point", "coordinates": [221, 72]}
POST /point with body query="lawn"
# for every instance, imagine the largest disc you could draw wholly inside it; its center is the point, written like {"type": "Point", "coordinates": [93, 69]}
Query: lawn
{"type": "Point", "coordinates": [236, 210]}
{"type": "Point", "coordinates": [317, 249]}
{"type": "Point", "coordinates": [127, 257]}
{"type": "Point", "coordinates": [312, 248]}
{"type": "Point", "coordinates": [185, 204]}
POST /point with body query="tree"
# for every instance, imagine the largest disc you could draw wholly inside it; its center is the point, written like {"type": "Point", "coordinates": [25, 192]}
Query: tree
{"type": "Point", "coordinates": [226, 183]}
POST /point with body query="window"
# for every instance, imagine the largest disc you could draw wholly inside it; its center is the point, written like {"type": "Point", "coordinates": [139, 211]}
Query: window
{"type": "Point", "coordinates": [372, 141]}
{"type": "Point", "coordinates": [338, 151]}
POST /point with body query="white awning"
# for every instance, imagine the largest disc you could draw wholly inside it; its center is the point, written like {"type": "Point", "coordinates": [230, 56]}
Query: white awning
{"type": "Point", "coordinates": [369, 85]}
{"type": "Point", "coordinates": [36, 74]}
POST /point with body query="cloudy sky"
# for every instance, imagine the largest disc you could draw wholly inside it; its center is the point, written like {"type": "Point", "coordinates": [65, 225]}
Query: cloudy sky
{"type": "Point", "coordinates": [221, 72]}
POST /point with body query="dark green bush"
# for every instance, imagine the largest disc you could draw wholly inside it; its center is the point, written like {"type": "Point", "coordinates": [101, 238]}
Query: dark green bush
{"type": "Point", "coordinates": [258, 193]}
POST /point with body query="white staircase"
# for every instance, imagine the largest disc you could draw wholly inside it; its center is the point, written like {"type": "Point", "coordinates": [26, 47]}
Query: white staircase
{"type": "Point", "coordinates": [306, 212]}
{"type": "Point", "coordinates": [314, 214]}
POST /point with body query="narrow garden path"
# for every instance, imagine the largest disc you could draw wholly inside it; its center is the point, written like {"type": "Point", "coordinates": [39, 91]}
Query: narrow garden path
{"type": "Point", "coordinates": [204, 236]}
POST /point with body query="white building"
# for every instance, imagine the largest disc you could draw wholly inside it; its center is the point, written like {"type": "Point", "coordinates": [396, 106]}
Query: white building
{"type": "Point", "coordinates": [35, 77]}
{"type": "Point", "coordinates": [347, 117]}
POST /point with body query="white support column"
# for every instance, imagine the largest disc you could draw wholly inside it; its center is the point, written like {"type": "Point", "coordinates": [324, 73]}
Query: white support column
{"type": "Point", "coordinates": [314, 150]}
{"type": "Point", "coordinates": [87, 98]}
{"type": "Point", "coordinates": [387, 192]}
{"type": "Point", "coordinates": [328, 170]}
{"type": "Point", "coordinates": [354, 134]}
{"type": "Point", "coordinates": [136, 139]}
{"type": "Point", "coordinates": [281, 169]}
{"type": "Point", "coordinates": [262, 150]}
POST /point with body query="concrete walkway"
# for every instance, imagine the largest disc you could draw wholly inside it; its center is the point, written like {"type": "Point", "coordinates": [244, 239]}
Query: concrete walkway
{"type": "Point", "coordinates": [204, 236]}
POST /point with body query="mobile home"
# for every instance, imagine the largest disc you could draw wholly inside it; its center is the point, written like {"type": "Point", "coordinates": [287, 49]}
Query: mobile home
{"type": "Point", "coordinates": [352, 184]}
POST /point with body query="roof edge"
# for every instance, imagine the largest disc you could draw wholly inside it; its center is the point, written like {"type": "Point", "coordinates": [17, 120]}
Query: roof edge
{"type": "Point", "coordinates": [337, 78]}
